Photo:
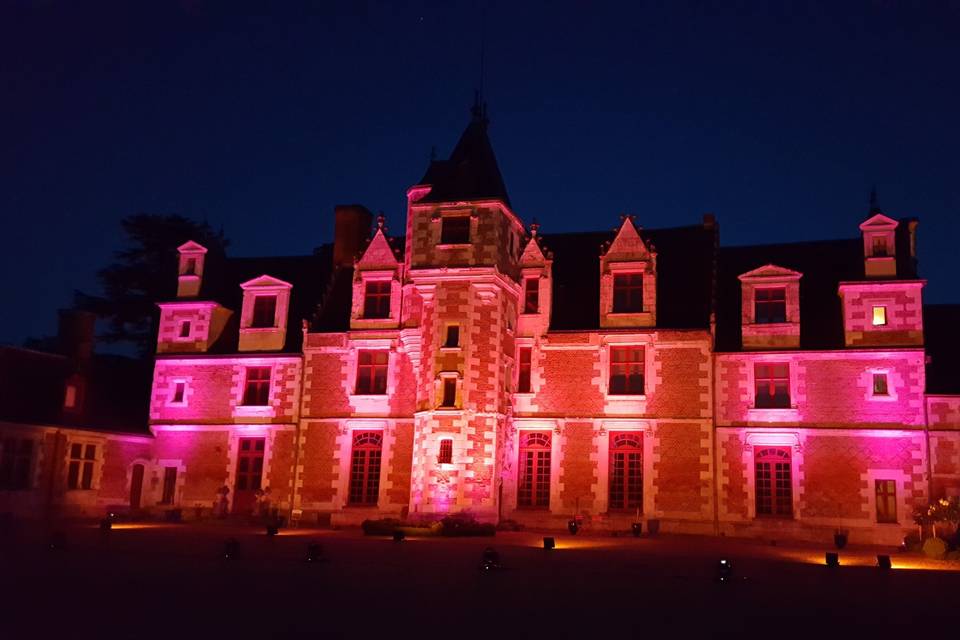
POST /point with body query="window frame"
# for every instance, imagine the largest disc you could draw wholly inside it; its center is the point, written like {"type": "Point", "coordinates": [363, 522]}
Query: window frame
{"type": "Point", "coordinates": [633, 368]}
{"type": "Point", "coordinates": [367, 378]}
{"type": "Point", "coordinates": [258, 395]}
{"type": "Point", "coordinates": [258, 315]}
{"type": "Point", "coordinates": [366, 448]}
{"type": "Point", "coordinates": [380, 309]}
{"type": "Point", "coordinates": [82, 456]}
{"type": "Point", "coordinates": [632, 290]}
{"type": "Point", "coordinates": [770, 304]}
{"type": "Point", "coordinates": [16, 463]}
{"type": "Point", "coordinates": [455, 236]}
{"type": "Point", "coordinates": [531, 295]}
{"type": "Point", "coordinates": [889, 498]}
{"type": "Point", "coordinates": [772, 382]}
{"type": "Point", "coordinates": [777, 496]}
{"type": "Point", "coordinates": [455, 328]}
{"type": "Point", "coordinates": [445, 451]}
{"type": "Point", "coordinates": [882, 308]}
{"type": "Point", "coordinates": [631, 480]}
{"type": "Point", "coordinates": [448, 393]}
{"type": "Point", "coordinates": [880, 390]}
{"type": "Point", "coordinates": [539, 443]}
{"type": "Point", "coordinates": [524, 369]}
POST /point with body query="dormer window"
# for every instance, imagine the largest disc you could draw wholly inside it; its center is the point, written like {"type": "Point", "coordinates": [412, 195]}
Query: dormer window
{"type": "Point", "coordinates": [190, 268]}
{"type": "Point", "coordinates": [770, 305]}
{"type": "Point", "coordinates": [264, 312]}
{"type": "Point", "coordinates": [376, 299]}
{"type": "Point", "coordinates": [628, 293]}
{"type": "Point", "coordinates": [879, 316]}
{"type": "Point", "coordinates": [531, 295]}
{"type": "Point", "coordinates": [880, 247]}
{"type": "Point", "coordinates": [455, 230]}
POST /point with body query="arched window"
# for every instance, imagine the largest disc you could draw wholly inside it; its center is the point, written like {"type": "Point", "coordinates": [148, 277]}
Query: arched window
{"type": "Point", "coordinates": [774, 485]}
{"type": "Point", "coordinates": [626, 470]}
{"type": "Point", "coordinates": [534, 470]}
{"type": "Point", "coordinates": [365, 467]}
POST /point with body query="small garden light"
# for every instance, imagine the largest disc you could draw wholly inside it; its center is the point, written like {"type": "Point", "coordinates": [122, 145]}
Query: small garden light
{"type": "Point", "coordinates": [832, 559]}
{"type": "Point", "coordinates": [724, 570]}
{"type": "Point", "coordinates": [549, 543]}
{"type": "Point", "coordinates": [231, 549]}
{"type": "Point", "coordinates": [883, 561]}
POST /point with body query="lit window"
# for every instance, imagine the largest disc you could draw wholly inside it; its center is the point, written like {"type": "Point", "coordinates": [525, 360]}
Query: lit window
{"type": "Point", "coordinates": [452, 339]}
{"type": "Point", "coordinates": [16, 460]}
{"type": "Point", "coordinates": [80, 469]}
{"type": "Point", "coordinates": [455, 230]}
{"type": "Point", "coordinates": [446, 452]}
{"type": "Point", "coordinates": [772, 386]}
{"type": "Point", "coordinates": [879, 316]}
{"type": "Point", "coordinates": [533, 470]}
{"type": "Point", "coordinates": [880, 384]}
{"type": "Point", "coordinates": [449, 392]}
{"type": "Point", "coordinates": [886, 492]}
{"type": "Point", "coordinates": [626, 370]}
{"type": "Point", "coordinates": [179, 393]}
{"type": "Point", "coordinates": [531, 295]}
{"type": "Point", "coordinates": [628, 293]}
{"type": "Point", "coordinates": [70, 396]}
{"type": "Point", "coordinates": [185, 329]}
{"type": "Point", "coordinates": [626, 470]}
{"type": "Point", "coordinates": [770, 305]}
{"type": "Point", "coordinates": [376, 299]}
{"type": "Point", "coordinates": [372, 372]}
{"type": "Point", "coordinates": [365, 467]}
{"type": "Point", "coordinates": [525, 358]}
{"type": "Point", "coordinates": [264, 312]}
{"type": "Point", "coordinates": [774, 487]}
{"type": "Point", "coordinates": [256, 392]}
{"type": "Point", "coordinates": [169, 485]}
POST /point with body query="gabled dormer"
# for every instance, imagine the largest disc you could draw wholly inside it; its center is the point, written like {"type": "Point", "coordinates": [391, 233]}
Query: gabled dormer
{"type": "Point", "coordinates": [190, 269]}
{"type": "Point", "coordinates": [377, 278]}
{"type": "Point", "coordinates": [879, 245]}
{"type": "Point", "coordinates": [770, 308]}
{"type": "Point", "coordinates": [263, 316]}
{"type": "Point", "coordinates": [536, 286]}
{"type": "Point", "coordinates": [628, 280]}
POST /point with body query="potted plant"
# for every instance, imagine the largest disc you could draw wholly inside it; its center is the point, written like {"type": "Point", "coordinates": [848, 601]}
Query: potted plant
{"type": "Point", "coordinates": [637, 529]}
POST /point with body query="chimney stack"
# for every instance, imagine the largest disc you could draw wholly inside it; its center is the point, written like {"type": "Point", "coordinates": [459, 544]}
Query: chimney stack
{"type": "Point", "coordinates": [76, 334]}
{"type": "Point", "coordinates": [351, 231]}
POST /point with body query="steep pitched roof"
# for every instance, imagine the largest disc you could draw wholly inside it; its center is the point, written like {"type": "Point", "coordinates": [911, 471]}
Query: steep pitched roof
{"type": "Point", "coordinates": [471, 172]}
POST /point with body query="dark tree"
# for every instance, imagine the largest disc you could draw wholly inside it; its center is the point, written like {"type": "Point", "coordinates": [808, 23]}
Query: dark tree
{"type": "Point", "coordinates": [143, 274]}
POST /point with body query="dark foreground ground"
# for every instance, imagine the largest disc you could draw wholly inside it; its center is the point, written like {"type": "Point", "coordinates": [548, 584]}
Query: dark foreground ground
{"type": "Point", "coordinates": [173, 582]}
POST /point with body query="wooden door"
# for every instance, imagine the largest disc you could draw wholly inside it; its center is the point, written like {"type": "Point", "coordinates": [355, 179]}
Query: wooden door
{"type": "Point", "coordinates": [249, 474]}
{"type": "Point", "coordinates": [136, 486]}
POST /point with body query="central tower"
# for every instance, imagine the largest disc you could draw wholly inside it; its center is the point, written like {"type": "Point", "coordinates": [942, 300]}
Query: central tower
{"type": "Point", "coordinates": [461, 264]}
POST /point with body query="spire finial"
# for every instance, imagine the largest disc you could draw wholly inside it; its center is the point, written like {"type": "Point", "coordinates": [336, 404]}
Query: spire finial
{"type": "Point", "coordinates": [380, 221]}
{"type": "Point", "coordinates": [534, 228]}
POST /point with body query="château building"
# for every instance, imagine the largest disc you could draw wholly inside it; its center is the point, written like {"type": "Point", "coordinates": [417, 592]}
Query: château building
{"type": "Point", "coordinates": [473, 363]}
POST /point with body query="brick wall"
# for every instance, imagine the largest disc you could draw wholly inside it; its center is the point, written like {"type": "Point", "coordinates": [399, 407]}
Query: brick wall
{"type": "Point", "coordinates": [205, 456]}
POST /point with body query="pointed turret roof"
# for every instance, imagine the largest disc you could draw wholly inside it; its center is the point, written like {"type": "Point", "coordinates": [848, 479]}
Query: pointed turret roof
{"type": "Point", "coordinates": [471, 172]}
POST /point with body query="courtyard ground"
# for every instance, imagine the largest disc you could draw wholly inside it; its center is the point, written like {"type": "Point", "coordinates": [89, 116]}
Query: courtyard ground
{"type": "Point", "coordinates": [172, 581]}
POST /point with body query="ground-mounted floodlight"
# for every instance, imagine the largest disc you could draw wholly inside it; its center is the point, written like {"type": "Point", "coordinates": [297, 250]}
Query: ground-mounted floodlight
{"type": "Point", "coordinates": [106, 524]}
{"type": "Point", "coordinates": [231, 549]}
{"type": "Point", "coordinates": [58, 541]}
{"type": "Point", "coordinates": [724, 570]}
{"type": "Point", "coordinates": [883, 561]}
{"type": "Point", "coordinates": [314, 552]}
{"type": "Point", "coordinates": [636, 528]}
{"type": "Point", "coordinates": [549, 543]}
{"type": "Point", "coordinates": [573, 526]}
{"type": "Point", "coordinates": [490, 560]}
{"type": "Point", "coordinates": [399, 536]}
{"type": "Point", "coordinates": [272, 529]}
{"type": "Point", "coordinates": [832, 559]}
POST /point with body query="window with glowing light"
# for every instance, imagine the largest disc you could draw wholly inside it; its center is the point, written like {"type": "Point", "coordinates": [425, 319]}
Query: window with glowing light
{"type": "Point", "coordinates": [773, 482]}
{"type": "Point", "coordinates": [628, 293]}
{"type": "Point", "coordinates": [70, 397]}
{"type": "Point", "coordinates": [880, 384]}
{"type": "Point", "coordinates": [83, 459]}
{"type": "Point", "coordinates": [531, 295]}
{"type": "Point", "coordinates": [256, 390]}
{"type": "Point", "coordinates": [446, 451]}
{"type": "Point", "coordinates": [886, 493]}
{"type": "Point", "coordinates": [525, 360]}
{"type": "Point", "coordinates": [365, 467]}
{"type": "Point", "coordinates": [533, 483]}
{"type": "Point", "coordinates": [16, 462]}
{"type": "Point", "coordinates": [626, 371]}
{"type": "Point", "coordinates": [376, 299]}
{"type": "Point", "coordinates": [455, 230]}
{"type": "Point", "coordinates": [626, 471]}
{"type": "Point", "coordinates": [770, 305]}
{"type": "Point", "coordinates": [772, 385]}
{"type": "Point", "coordinates": [264, 312]}
{"type": "Point", "coordinates": [879, 316]}
{"type": "Point", "coordinates": [372, 372]}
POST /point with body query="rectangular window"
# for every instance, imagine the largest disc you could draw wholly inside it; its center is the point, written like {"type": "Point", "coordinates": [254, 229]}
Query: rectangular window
{"type": "Point", "coordinates": [449, 392]}
{"type": "Point", "coordinates": [886, 491]}
{"type": "Point", "coordinates": [16, 461]}
{"type": "Point", "coordinates": [365, 467]}
{"type": "Point", "coordinates": [626, 470]}
{"type": "Point", "coordinates": [628, 293]}
{"type": "Point", "coordinates": [80, 469]}
{"type": "Point", "coordinates": [880, 384]}
{"type": "Point", "coordinates": [70, 396]}
{"type": "Point", "coordinates": [256, 392]}
{"type": "Point", "coordinates": [190, 269]}
{"type": "Point", "coordinates": [772, 385]}
{"type": "Point", "coordinates": [879, 316]}
{"type": "Point", "coordinates": [372, 372]}
{"type": "Point", "coordinates": [169, 485]}
{"type": "Point", "coordinates": [185, 329]}
{"type": "Point", "coordinates": [446, 452]}
{"type": "Point", "coordinates": [179, 393]}
{"type": "Point", "coordinates": [880, 247]}
{"type": "Point", "coordinates": [770, 305]}
{"type": "Point", "coordinates": [626, 370]}
{"type": "Point", "coordinates": [773, 483]}
{"type": "Point", "coordinates": [531, 295]}
{"type": "Point", "coordinates": [525, 359]}
{"type": "Point", "coordinates": [264, 312]}
{"type": "Point", "coordinates": [455, 230]}
{"type": "Point", "coordinates": [376, 299]}
{"type": "Point", "coordinates": [533, 470]}
{"type": "Point", "coordinates": [452, 339]}
{"type": "Point", "coordinates": [249, 476]}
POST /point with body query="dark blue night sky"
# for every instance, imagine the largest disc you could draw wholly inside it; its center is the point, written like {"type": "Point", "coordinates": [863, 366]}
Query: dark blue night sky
{"type": "Point", "coordinates": [778, 117]}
